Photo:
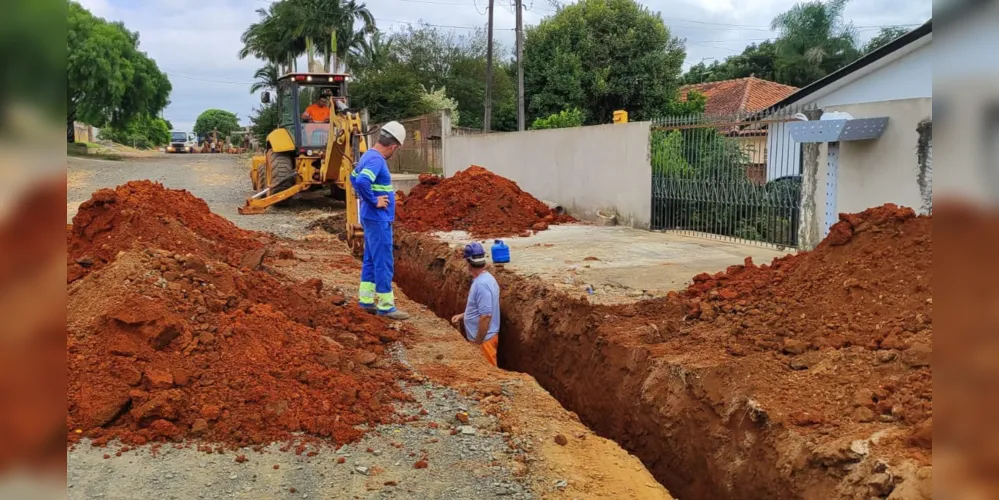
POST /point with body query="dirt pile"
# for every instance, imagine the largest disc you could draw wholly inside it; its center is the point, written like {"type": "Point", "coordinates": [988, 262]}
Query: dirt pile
{"type": "Point", "coordinates": [145, 213]}
{"type": "Point", "coordinates": [474, 200]}
{"type": "Point", "coordinates": [164, 345]}
{"type": "Point", "coordinates": [867, 284]}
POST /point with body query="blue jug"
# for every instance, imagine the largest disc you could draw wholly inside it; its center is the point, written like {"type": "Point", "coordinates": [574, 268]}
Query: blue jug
{"type": "Point", "coordinates": [500, 252]}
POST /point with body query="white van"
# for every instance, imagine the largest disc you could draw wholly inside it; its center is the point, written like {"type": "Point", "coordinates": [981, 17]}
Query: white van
{"type": "Point", "coordinates": [182, 142]}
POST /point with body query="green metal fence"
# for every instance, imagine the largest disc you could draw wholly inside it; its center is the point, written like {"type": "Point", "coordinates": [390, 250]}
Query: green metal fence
{"type": "Point", "coordinates": [732, 177]}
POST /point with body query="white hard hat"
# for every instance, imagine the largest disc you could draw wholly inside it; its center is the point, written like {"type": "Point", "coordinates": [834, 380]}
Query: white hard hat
{"type": "Point", "coordinates": [396, 130]}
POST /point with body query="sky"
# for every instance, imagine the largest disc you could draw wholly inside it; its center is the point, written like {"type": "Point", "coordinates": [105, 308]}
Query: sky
{"type": "Point", "coordinates": [196, 41]}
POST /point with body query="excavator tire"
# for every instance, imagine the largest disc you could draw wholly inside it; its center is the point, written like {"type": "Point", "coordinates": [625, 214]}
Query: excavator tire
{"type": "Point", "coordinates": [282, 172]}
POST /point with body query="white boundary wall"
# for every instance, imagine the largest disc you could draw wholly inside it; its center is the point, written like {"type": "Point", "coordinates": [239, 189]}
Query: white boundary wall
{"type": "Point", "coordinates": [584, 169]}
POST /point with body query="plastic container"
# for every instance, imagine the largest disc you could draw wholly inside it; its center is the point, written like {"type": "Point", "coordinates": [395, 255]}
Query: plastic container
{"type": "Point", "coordinates": [500, 252]}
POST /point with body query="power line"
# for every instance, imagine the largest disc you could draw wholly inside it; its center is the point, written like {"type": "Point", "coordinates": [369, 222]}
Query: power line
{"type": "Point", "coordinates": [438, 25]}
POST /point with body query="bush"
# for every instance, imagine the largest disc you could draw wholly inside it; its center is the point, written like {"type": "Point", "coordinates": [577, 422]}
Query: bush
{"type": "Point", "coordinates": [563, 119]}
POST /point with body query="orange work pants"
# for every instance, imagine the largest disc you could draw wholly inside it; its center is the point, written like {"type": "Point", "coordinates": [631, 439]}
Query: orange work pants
{"type": "Point", "coordinates": [489, 349]}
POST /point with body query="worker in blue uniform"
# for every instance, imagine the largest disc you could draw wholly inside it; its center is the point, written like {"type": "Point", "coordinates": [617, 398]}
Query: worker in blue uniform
{"type": "Point", "coordinates": [373, 184]}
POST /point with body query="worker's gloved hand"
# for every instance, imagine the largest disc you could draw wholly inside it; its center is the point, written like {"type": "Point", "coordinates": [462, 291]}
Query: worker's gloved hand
{"type": "Point", "coordinates": [382, 202]}
{"type": "Point", "coordinates": [457, 318]}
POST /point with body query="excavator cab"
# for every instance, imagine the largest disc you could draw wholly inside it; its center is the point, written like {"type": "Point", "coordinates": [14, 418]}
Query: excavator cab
{"type": "Point", "coordinates": [302, 154]}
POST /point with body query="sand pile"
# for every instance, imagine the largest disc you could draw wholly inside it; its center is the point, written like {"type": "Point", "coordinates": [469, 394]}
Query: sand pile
{"type": "Point", "coordinates": [474, 200]}
{"type": "Point", "coordinates": [167, 344]}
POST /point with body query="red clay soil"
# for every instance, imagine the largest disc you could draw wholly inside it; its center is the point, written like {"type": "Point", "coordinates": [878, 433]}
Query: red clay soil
{"type": "Point", "coordinates": [165, 346]}
{"type": "Point", "coordinates": [474, 200]}
{"type": "Point", "coordinates": [144, 212]}
{"type": "Point", "coordinates": [867, 285]}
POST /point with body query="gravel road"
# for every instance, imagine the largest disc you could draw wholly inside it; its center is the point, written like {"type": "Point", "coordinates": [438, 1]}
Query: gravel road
{"type": "Point", "coordinates": [474, 463]}
{"type": "Point", "coordinates": [460, 466]}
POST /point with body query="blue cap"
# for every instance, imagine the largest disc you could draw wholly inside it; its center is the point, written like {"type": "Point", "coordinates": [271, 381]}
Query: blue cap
{"type": "Point", "coordinates": [475, 253]}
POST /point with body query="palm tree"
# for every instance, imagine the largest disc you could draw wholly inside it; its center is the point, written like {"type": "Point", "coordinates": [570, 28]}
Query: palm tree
{"type": "Point", "coordinates": [271, 39]}
{"type": "Point", "coordinates": [290, 28]}
{"type": "Point", "coordinates": [267, 78]}
{"type": "Point", "coordinates": [814, 41]}
{"type": "Point", "coordinates": [372, 55]}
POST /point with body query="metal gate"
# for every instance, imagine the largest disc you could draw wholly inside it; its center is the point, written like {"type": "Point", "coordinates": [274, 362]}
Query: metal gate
{"type": "Point", "coordinates": [732, 177]}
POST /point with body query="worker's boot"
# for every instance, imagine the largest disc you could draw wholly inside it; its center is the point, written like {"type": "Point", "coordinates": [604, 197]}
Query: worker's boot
{"type": "Point", "coordinates": [396, 315]}
{"type": "Point", "coordinates": [369, 309]}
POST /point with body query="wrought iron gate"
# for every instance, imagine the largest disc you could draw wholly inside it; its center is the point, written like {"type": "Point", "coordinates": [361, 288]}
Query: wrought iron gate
{"type": "Point", "coordinates": [731, 177]}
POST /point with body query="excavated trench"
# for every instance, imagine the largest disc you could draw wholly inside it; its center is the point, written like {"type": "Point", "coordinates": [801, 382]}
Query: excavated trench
{"type": "Point", "coordinates": [678, 419]}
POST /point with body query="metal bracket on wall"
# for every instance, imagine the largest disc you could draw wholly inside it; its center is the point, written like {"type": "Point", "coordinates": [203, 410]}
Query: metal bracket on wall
{"type": "Point", "coordinates": [832, 173]}
{"type": "Point", "coordinates": [859, 129]}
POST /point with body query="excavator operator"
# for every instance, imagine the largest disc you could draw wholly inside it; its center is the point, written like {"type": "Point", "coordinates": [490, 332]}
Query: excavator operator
{"type": "Point", "coordinates": [318, 112]}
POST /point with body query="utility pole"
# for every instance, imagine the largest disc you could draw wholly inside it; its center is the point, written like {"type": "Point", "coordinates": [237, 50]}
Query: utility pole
{"type": "Point", "coordinates": [520, 64]}
{"type": "Point", "coordinates": [488, 120]}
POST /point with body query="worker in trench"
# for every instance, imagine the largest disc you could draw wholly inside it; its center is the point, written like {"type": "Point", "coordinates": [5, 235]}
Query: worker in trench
{"type": "Point", "coordinates": [373, 184]}
{"type": "Point", "coordinates": [481, 320]}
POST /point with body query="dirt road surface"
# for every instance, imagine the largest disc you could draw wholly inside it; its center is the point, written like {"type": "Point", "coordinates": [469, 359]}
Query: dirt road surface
{"type": "Point", "coordinates": [518, 442]}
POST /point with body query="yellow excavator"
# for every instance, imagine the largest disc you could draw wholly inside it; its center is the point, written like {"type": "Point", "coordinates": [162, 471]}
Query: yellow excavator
{"type": "Point", "coordinates": [304, 154]}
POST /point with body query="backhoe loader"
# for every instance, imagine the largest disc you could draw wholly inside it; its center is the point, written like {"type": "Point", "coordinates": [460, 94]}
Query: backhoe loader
{"type": "Point", "coordinates": [303, 155]}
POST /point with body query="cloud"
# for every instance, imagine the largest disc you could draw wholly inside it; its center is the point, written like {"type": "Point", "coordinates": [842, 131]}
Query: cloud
{"type": "Point", "coordinates": [195, 41]}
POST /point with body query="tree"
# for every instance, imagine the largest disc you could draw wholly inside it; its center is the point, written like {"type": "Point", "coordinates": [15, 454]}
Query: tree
{"type": "Point", "coordinates": [814, 41]}
{"type": "Point", "coordinates": [437, 100]}
{"type": "Point", "coordinates": [373, 55]}
{"type": "Point", "coordinates": [755, 60]}
{"type": "Point", "coordinates": [887, 34]}
{"type": "Point", "coordinates": [290, 28]}
{"type": "Point", "coordinates": [109, 81]}
{"type": "Point", "coordinates": [390, 95]}
{"type": "Point", "coordinates": [562, 119]}
{"type": "Point", "coordinates": [266, 78]}
{"type": "Point", "coordinates": [142, 131]}
{"type": "Point", "coordinates": [600, 56]}
{"type": "Point", "coordinates": [264, 121]}
{"type": "Point", "coordinates": [436, 59]}
{"type": "Point", "coordinates": [224, 122]}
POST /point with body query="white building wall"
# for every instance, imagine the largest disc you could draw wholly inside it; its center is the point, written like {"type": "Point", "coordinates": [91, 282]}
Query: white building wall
{"type": "Point", "coordinates": [905, 74]}
{"type": "Point", "coordinates": [585, 169]}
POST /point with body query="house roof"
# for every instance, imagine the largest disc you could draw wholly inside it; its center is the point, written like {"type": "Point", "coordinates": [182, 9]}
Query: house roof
{"type": "Point", "coordinates": [868, 59]}
{"type": "Point", "coordinates": [742, 95]}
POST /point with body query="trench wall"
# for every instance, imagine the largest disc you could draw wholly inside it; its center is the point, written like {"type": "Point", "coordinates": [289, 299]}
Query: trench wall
{"type": "Point", "coordinates": [690, 432]}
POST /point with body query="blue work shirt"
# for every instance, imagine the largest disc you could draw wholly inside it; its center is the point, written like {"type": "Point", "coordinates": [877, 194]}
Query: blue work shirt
{"type": "Point", "coordinates": [483, 299]}
{"type": "Point", "coordinates": [371, 179]}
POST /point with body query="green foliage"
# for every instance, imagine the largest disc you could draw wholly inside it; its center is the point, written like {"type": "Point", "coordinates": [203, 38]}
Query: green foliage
{"type": "Point", "coordinates": [562, 119]}
{"type": "Point", "coordinates": [34, 58]}
{"type": "Point", "coordinates": [290, 28]}
{"type": "Point", "coordinates": [216, 120]}
{"type": "Point", "coordinates": [263, 121]}
{"type": "Point", "coordinates": [142, 131]}
{"type": "Point", "coordinates": [667, 154]}
{"type": "Point", "coordinates": [755, 60]}
{"type": "Point", "coordinates": [884, 36]}
{"type": "Point", "coordinates": [434, 59]}
{"type": "Point", "coordinates": [436, 100]}
{"type": "Point", "coordinates": [391, 95]}
{"type": "Point", "coordinates": [814, 41]}
{"type": "Point", "coordinates": [694, 104]}
{"type": "Point", "coordinates": [266, 78]}
{"type": "Point", "coordinates": [109, 81]}
{"type": "Point", "coordinates": [600, 56]}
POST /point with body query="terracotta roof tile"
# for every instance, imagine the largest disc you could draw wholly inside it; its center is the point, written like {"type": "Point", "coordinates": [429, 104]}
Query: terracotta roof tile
{"type": "Point", "coordinates": [742, 95]}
